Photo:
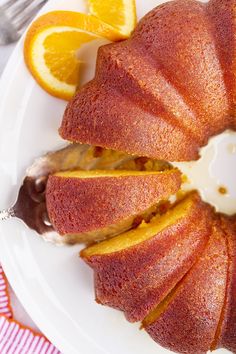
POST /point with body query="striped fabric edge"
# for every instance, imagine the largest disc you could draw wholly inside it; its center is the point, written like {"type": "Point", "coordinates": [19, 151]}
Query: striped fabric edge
{"type": "Point", "coordinates": [5, 307]}
{"type": "Point", "coordinates": [18, 339]}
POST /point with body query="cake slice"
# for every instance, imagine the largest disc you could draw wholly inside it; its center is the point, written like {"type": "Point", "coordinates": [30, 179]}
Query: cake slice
{"type": "Point", "coordinates": [136, 270]}
{"type": "Point", "coordinates": [85, 206]}
{"type": "Point", "coordinates": [187, 320]}
{"type": "Point", "coordinates": [227, 328]}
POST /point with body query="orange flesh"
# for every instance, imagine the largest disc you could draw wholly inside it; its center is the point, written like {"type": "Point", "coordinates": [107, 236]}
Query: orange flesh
{"type": "Point", "coordinates": [60, 54]}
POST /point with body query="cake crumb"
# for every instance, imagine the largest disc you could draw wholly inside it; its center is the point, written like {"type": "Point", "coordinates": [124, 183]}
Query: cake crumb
{"type": "Point", "coordinates": [222, 190]}
{"type": "Point", "coordinates": [185, 179]}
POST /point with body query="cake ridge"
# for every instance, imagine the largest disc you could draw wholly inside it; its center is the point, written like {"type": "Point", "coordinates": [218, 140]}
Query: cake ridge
{"type": "Point", "coordinates": [133, 279]}
{"type": "Point", "coordinates": [223, 311]}
{"type": "Point", "coordinates": [227, 338]}
{"type": "Point", "coordinates": [194, 13]}
{"type": "Point", "coordinates": [223, 40]}
{"type": "Point", "coordinates": [189, 323]}
{"type": "Point", "coordinates": [139, 285]}
{"type": "Point", "coordinates": [136, 127]}
{"type": "Point", "coordinates": [148, 320]}
{"type": "Point", "coordinates": [155, 104]}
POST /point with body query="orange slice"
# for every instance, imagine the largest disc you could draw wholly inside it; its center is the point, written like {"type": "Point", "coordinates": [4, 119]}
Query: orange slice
{"type": "Point", "coordinates": [51, 48]}
{"type": "Point", "coordinates": [121, 14]}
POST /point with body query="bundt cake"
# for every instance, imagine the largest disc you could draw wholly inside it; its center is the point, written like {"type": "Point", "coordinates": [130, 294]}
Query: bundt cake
{"type": "Point", "coordinates": [176, 274]}
{"type": "Point", "coordinates": [160, 94]}
{"type": "Point", "coordinates": [166, 90]}
{"type": "Point", "coordinates": [86, 206]}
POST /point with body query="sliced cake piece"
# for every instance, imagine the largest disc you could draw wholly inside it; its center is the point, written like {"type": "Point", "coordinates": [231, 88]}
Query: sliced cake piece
{"type": "Point", "coordinates": [187, 320]}
{"type": "Point", "coordinates": [136, 270]}
{"type": "Point", "coordinates": [91, 205]}
{"type": "Point", "coordinates": [227, 329]}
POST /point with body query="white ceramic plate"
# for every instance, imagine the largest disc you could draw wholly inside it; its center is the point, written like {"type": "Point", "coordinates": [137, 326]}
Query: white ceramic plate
{"type": "Point", "coordinates": [53, 284]}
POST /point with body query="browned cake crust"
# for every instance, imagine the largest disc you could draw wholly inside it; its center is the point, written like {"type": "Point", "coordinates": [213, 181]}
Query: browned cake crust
{"type": "Point", "coordinates": [227, 329]}
{"type": "Point", "coordinates": [222, 17]}
{"type": "Point", "coordinates": [162, 93]}
{"type": "Point", "coordinates": [78, 205]}
{"type": "Point", "coordinates": [137, 278]}
{"type": "Point", "coordinates": [190, 321]}
{"type": "Point", "coordinates": [167, 89]}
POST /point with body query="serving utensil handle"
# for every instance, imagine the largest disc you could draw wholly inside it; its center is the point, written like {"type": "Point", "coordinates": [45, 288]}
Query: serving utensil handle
{"type": "Point", "coordinates": [7, 214]}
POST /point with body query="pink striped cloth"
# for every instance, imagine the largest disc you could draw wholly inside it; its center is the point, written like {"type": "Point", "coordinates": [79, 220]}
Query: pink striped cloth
{"type": "Point", "coordinates": [14, 337]}
{"type": "Point", "coordinates": [5, 307]}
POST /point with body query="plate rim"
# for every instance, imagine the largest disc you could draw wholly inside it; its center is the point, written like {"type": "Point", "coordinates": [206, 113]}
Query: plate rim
{"type": "Point", "coordinates": [87, 346]}
{"type": "Point", "coordinates": [31, 307]}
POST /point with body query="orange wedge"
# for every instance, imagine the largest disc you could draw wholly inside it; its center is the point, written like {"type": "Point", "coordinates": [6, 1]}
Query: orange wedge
{"type": "Point", "coordinates": [51, 48]}
{"type": "Point", "coordinates": [121, 14]}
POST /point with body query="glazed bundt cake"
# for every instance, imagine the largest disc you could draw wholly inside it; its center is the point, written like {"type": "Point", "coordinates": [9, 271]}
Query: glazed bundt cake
{"type": "Point", "coordinates": [176, 274]}
{"type": "Point", "coordinates": [160, 94]}
{"type": "Point", "coordinates": [166, 90]}
{"type": "Point", "coordinates": [87, 206]}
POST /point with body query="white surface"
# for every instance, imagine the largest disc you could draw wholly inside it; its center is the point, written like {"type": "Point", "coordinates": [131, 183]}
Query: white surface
{"type": "Point", "coordinates": [19, 312]}
{"type": "Point", "coordinates": [5, 52]}
{"type": "Point", "coordinates": [54, 285]}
